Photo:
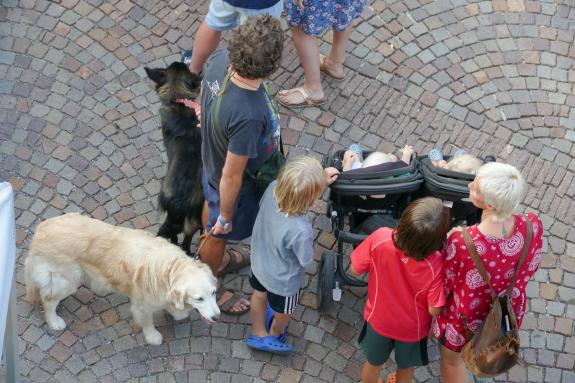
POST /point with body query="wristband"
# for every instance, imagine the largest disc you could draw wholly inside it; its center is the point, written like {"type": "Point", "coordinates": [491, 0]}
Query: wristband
{"type": "Point", "coordinates": [225, 224]}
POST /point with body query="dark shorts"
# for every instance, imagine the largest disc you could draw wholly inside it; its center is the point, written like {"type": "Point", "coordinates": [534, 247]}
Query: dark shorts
{"type": "Point", "coordinates": [377, 349]}
{"type": "Point", "coordinates": [245, 211]}
{"type": "Point", "coordinates": [280, 304]}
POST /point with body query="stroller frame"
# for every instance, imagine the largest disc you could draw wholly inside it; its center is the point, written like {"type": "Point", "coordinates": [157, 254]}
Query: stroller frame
{"type": "Point", "coordinates": [350, 196]}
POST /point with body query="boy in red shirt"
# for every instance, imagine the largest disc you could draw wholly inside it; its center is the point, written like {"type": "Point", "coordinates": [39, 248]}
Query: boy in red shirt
{"type": "Point", "coordinates": [405, 288]}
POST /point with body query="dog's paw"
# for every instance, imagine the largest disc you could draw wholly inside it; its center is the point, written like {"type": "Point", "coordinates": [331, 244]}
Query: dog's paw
{"type": "Point", "coordinates": [57, 323]}
{"type": "Point", "coordinates": [153, 337]}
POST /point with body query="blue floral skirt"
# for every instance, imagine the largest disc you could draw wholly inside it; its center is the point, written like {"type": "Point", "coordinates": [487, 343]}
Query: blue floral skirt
{"type": "Point", "coordinates": [318, 15]}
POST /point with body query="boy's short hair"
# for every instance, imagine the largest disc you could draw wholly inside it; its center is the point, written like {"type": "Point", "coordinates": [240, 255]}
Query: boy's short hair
{"type": "Point", "coordinates": [502, 187]}
{"type": "Point", "coordinates": [299, 184]}
{"type": "Point", "coordinates": [255, 47]}
{"type": "Point", "coordinates": [422, 228]}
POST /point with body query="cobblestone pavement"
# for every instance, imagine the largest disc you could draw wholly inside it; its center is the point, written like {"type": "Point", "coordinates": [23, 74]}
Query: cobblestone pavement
{"type": "Point", "coordinates": [79, 132]}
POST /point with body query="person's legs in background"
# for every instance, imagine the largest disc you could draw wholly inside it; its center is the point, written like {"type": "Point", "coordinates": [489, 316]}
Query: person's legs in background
{"type": "Point", "coordinates": [221, 17]}
{"type": "Point", "coordinates": [334, 61]}
{"type": "Point", "coordinates": [308, 52]}
{"type": "Point", "coordinates": [205, 43]}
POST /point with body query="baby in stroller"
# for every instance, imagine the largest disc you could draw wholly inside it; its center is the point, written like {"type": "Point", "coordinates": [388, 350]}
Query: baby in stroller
{"type": "Point", "coordinates": [461, 161]}
{"type": "Point", "coordinates": [353, 158]}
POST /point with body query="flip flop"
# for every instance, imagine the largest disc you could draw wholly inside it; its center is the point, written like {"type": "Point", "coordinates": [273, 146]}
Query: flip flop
{"type": "Point", "coordinates": [234, 264]}
{"type": "Point", "coordinates": [270, 313]}
{"type": "Point", "coordinates": [326, 71]}
{"type": "Point", "coordinates": [269, 344]}
{"type": "Point", "coordinates": [227, 306]}
{"type": "Point", "coordinates": [307, 101]}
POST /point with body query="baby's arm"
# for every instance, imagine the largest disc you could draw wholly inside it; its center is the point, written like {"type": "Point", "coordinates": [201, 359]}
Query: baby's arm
{"type": "Point", "coordinates": [406, 154]}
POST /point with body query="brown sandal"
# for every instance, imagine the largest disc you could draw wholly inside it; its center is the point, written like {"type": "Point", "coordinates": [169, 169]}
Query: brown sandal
{"type": "Point", "coordinates": [227, 306]}
{"type": "Point", "coordinates": [307, 101]}
{"type": "Point", "coordinates": [326, 71]}
{"type": "Point", "coordinates": [239, 257]}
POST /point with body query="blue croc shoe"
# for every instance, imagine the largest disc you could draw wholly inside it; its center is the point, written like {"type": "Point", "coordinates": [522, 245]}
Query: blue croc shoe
{"type": "Point", "coordinates": [435, 155]}
{"type": "Point", "coordinates": [269, 344]}
{"type": "Point", "coordinates": [186, 57]}
{"type": "Point", "coordinates": [270, 313]}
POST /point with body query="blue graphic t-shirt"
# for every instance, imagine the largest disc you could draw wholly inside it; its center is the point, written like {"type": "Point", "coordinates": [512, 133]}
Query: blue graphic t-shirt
{"type": "Point", "coordinates": [247, 118]}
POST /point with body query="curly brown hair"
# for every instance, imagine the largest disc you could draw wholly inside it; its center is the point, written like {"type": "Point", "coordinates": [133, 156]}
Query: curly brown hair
{"type": "Point", "coordinates": [255, 47]}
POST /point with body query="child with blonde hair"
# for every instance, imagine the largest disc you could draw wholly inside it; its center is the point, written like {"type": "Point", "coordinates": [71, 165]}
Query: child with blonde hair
{"type": "Point", "coordinates": [281, 249]}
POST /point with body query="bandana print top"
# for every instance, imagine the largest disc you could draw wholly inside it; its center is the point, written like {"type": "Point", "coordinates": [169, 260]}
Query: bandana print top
{"type": "Point", "coordinates": [466, 291]}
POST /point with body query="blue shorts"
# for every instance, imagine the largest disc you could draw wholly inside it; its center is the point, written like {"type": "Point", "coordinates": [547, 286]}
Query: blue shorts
{"type": "Point", "coordinates": [223, 16]}
{"type": "Point", "coordinates": [245, 211]}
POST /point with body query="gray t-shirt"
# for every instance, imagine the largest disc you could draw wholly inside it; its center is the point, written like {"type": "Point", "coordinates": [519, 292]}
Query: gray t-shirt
{"type": "Point", "coordinates": [281, 248]}
{"type": "Point", "coordinates": [246, 119]}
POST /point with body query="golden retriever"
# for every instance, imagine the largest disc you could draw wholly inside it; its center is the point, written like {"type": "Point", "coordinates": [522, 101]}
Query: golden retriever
{"type": "Point", "coordinates": [71, 250]}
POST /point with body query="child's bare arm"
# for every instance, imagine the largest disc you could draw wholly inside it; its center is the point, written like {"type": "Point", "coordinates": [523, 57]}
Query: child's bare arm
{"type": "Point", "coordinates": [353, 271]}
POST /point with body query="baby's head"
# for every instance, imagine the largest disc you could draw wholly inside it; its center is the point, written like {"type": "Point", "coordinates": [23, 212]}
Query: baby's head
{"type": "Point", "coordinates": [465, 163]}
{"type": "Point", "coordinates": [299, 184]}
{"type": "Point", "coordinates": [422, 228]}
{"type": "Point", "coordinates": [378, 158]}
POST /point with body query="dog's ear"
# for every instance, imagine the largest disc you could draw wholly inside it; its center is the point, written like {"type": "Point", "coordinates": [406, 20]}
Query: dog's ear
{"type": "Point", "coordinates": [194, 82]}
{"type": "Point", "coordinates": [157, 75]}
{"type": "Point", "coordinates": [197, 80]}
{"type": "Point", "coordinates": [176, 298]}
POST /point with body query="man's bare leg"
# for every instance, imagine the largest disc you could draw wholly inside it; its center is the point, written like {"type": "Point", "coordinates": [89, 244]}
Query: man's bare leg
{"type": "Point", "coordinates": [205, 43]}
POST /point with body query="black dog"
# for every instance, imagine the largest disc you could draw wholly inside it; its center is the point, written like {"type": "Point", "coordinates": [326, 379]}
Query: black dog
{"type": "Point", "coordinates": [181, 196]}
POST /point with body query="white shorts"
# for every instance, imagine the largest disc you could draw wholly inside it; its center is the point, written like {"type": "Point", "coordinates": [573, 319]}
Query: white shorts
{"type": "Point", "coordinates": [223, 16]}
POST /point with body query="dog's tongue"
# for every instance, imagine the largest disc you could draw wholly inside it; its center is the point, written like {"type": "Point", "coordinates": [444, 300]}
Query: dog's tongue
{"type": "Point", "coordinates": [208, 323]}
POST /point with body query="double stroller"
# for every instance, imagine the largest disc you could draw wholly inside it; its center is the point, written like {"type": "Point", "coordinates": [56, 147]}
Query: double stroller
{"type": "Point", "coordinates": [362, 200]}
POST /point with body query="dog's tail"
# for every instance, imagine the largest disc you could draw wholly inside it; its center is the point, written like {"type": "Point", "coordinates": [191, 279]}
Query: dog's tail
{"type": "Point", "coordinates": [32, 291]}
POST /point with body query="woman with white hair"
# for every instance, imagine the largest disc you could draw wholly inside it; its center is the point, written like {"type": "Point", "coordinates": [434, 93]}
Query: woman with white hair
{"type": "Point", "coordinates": [499, 239]}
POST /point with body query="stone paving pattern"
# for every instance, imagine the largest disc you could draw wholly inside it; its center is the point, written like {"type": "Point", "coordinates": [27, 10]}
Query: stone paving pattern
{"type": "Point", "coordinates": [79, 131]}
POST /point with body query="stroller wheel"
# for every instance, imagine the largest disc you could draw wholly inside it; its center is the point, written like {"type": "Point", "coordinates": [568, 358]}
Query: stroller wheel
{"type": "Point", "coordinates": [325, 280]}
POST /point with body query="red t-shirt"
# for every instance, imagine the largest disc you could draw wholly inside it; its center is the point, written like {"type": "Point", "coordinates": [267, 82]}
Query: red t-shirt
{"type": "Point", "coordinates": [468, 294]}
{"type": "Point", "coordinates": [399, 289]}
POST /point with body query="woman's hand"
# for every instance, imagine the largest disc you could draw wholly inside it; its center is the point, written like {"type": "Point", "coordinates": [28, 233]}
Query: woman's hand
{"type": "Point", "coordinates": [299, 3]}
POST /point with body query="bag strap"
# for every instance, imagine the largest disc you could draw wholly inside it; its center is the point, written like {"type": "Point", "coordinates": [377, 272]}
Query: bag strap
{"type": "Point", "coordinates": [476, 260]}
{"type": "Point", "coordinates": [528, 236]}
{"type": "Point", "coordinates": [217, 110]}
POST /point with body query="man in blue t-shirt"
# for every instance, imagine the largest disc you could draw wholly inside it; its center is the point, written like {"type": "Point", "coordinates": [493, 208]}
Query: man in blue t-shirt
{"type": "Point", "coordinates": [224, 15]}
{"type": "Point", "coordinates": [240, 131]}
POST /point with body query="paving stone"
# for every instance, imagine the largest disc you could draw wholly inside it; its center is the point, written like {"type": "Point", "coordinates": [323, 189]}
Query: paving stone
{"type": "Point", "coordinates": [488, 66]}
